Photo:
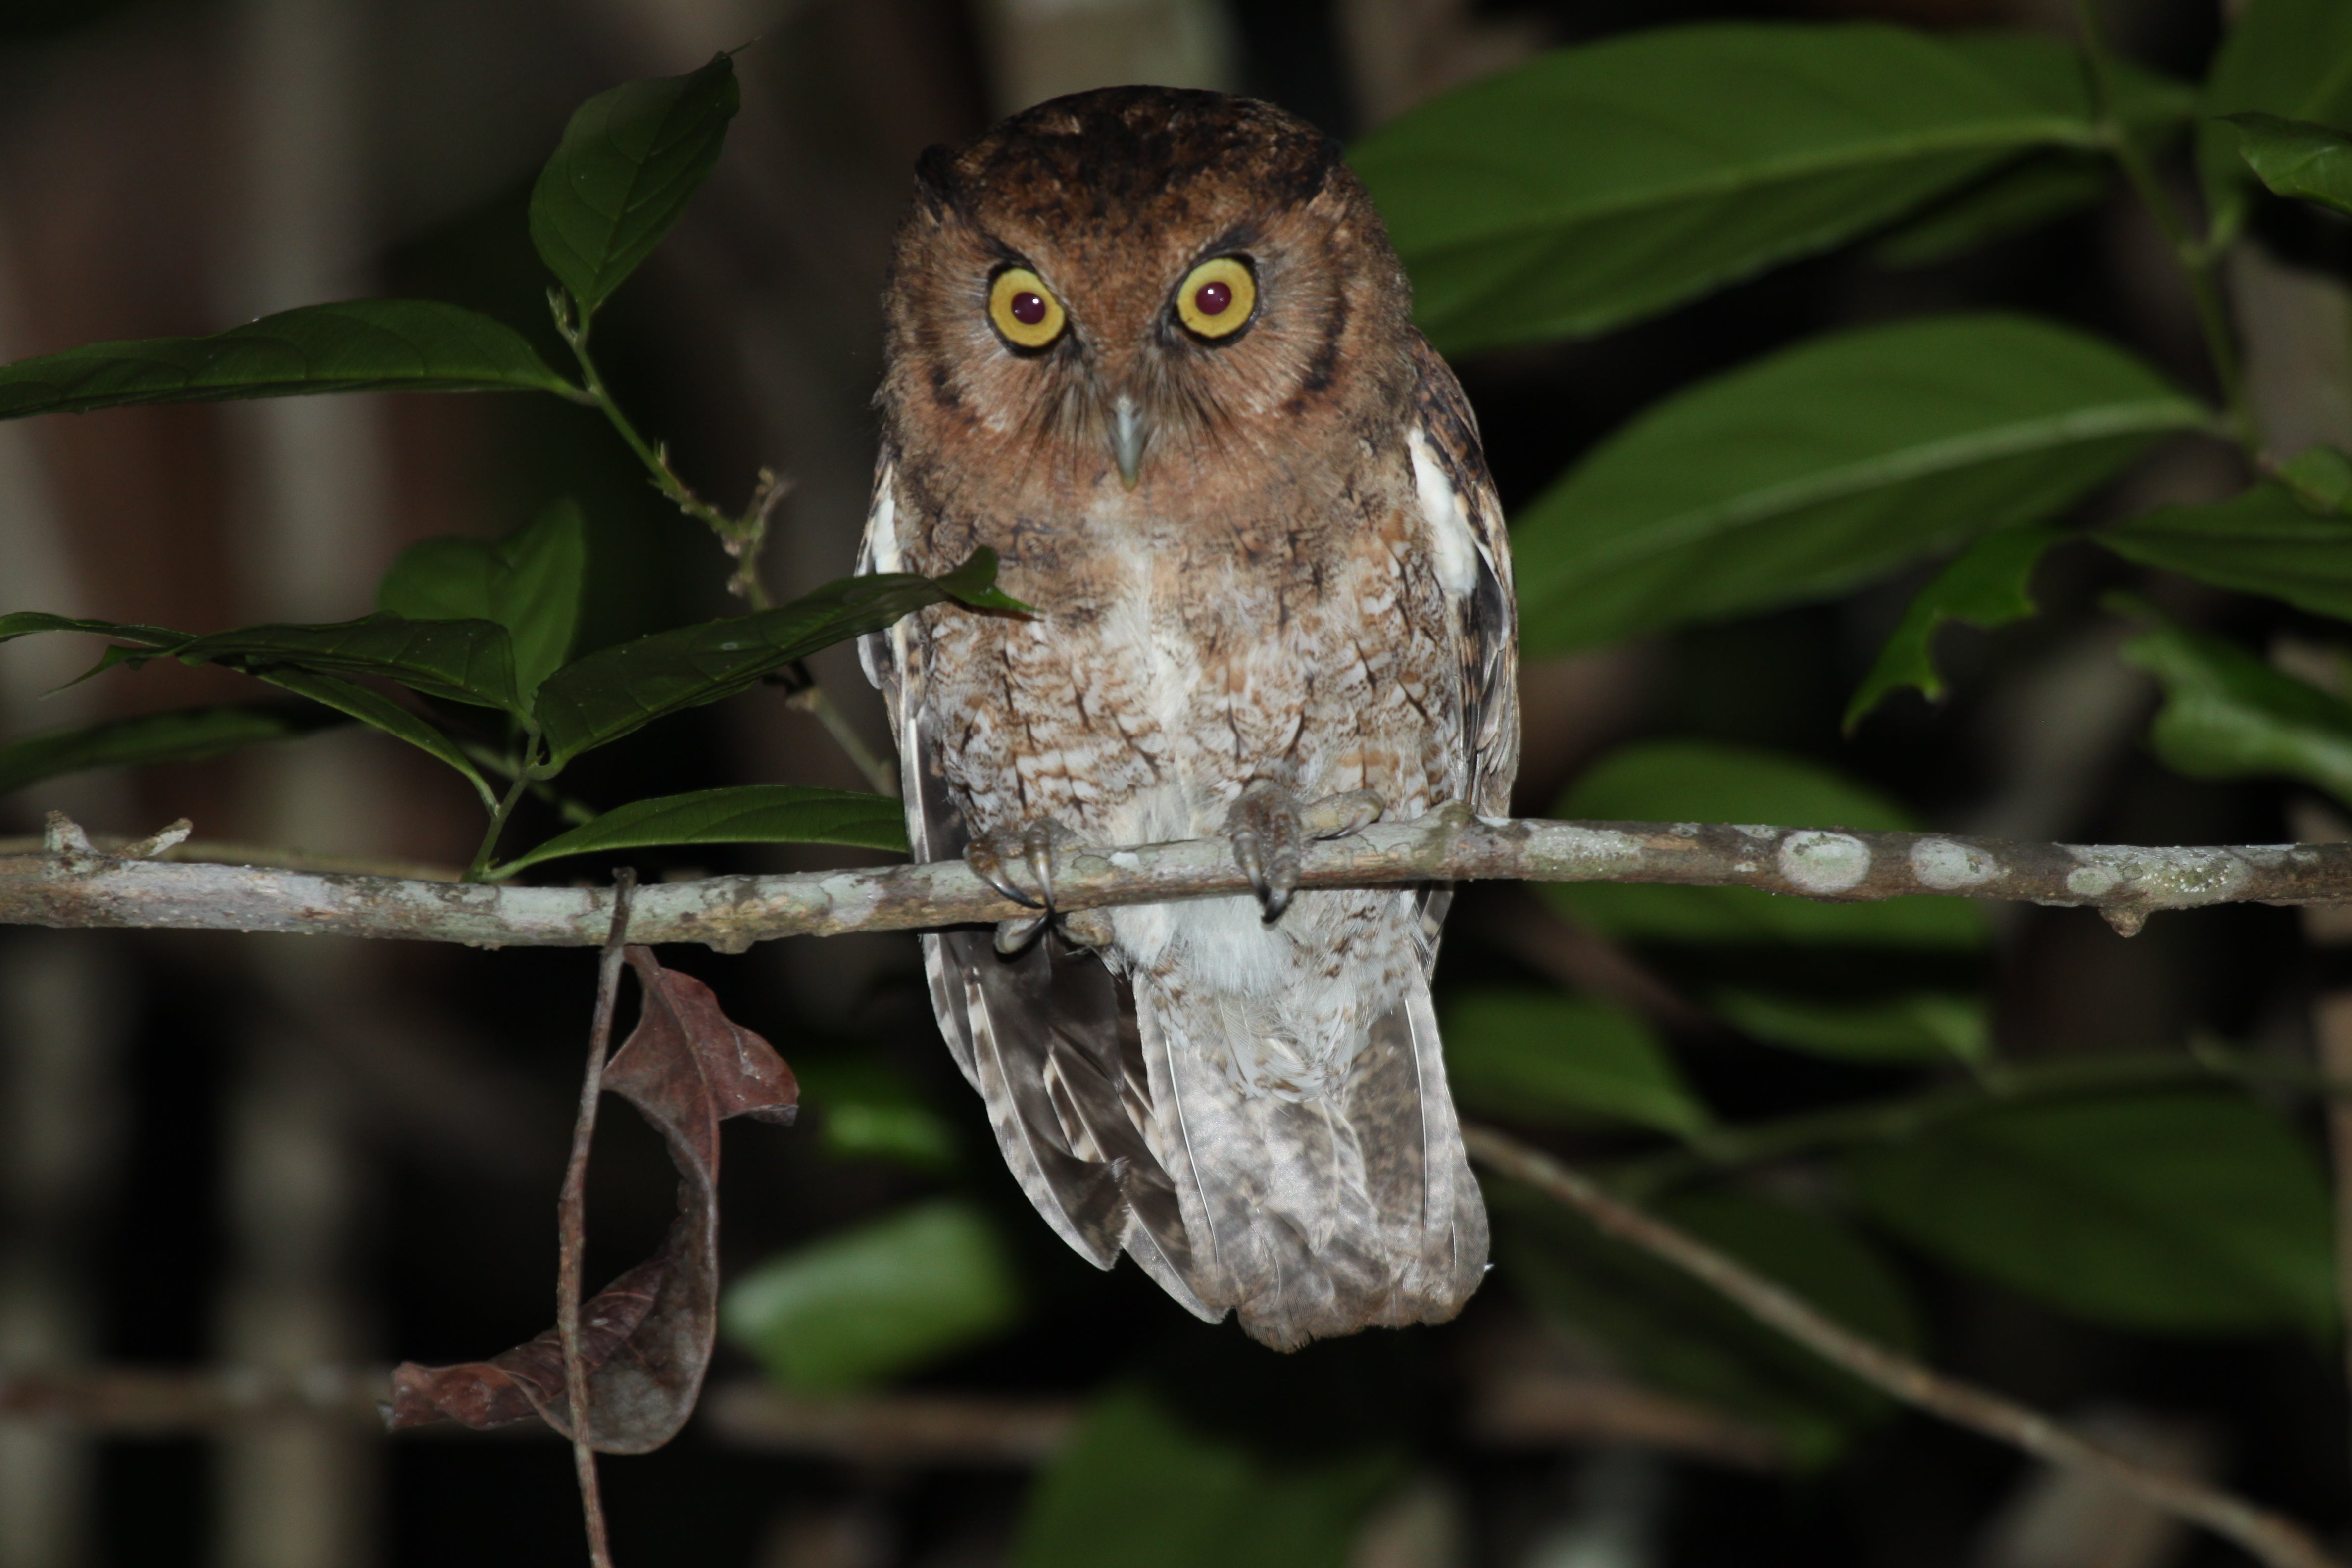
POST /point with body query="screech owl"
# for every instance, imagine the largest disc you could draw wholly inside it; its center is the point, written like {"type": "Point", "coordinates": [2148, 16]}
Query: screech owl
{"type": "Point", "coordinates": [1152, 346]}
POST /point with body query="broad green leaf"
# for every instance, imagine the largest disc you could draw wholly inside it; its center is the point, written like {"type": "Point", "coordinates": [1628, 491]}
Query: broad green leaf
{"type": "Point", "coordinates": [1990, 586]}
{"type": "Point", "coordinates": [145, 643]}
{"type": "Point", "coordinates": [2321, 478]}
{"type": "Point", "coordinates": [2228, 715]}
{"type": "Point", "coordinates": [1909, 1027]}
{"type": "Point", "coordinates": [528, 583]}
{"type": "Point", "coordinates": [2194, 1213]}
{"type": "Point", "coordinates": [362, 345]}
{"type": "Point", "coordinates": [380, 712]}
{"type": "Point", "coordinates": [1812, 471]}
{"type": "Point", "coordinates": [629, 162]}
{"type": "Point", "coordinates": [1140, 1488]}
{"type": "Point", "coordinates": [2262, 542]}
{"type": "Point", "coordinates": [2053, 74]}
{"type": "Point", "coordinates": [868, 1111]}
{"type": "Point", "coordinates": [1604, 183]}
{"type": "Point", "coordinates": [24, 623]}
{"type": "Point", "coordinates": [1888, 981]}
{"type": "Point", "coordinates": [189, 735]}
{"type": "Point", "coordinates": [745, 814]}
{"type": "Point", "coordinates": [2025, 196]}
{"type": "Point", "coordinates": [2296, 158]}
{"type": "Point", "coordinates": [1681, 1336]}
{"type": "Point", "coordinates": [1538, 1056]}
{"type": "Point", "coordinates": [2291, 58]}
{"type": "Point", "coordinates": [459, 661]}
{"type": "Point", "coordinates": [1693, 781]}
{"type": "Point", "coordinates": [618, 690]}
{"type": "Point", "coordinates": [859, 1309]}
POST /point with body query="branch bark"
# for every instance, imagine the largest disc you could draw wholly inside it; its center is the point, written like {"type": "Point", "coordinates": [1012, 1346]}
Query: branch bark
{"type": "Point", "coordinates": [2274, 1539]}
{"type": "Point", "coordinates": [70, 884]}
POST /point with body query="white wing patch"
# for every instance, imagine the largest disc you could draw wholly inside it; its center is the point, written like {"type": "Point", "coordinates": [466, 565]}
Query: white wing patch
{"type": "Point", "coordinates": [1452, 545]}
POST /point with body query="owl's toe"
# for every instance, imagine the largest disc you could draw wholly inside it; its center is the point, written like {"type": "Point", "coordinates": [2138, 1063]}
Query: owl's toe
{"type": "Point", "coordinates": [1035, 848]}
{"type": "Point", "coordinates": [1265, 829]}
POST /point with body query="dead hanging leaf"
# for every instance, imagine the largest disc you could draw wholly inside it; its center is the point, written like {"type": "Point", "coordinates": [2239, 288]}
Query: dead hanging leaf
{"type": "Point", "coordinates": [646, 1338]}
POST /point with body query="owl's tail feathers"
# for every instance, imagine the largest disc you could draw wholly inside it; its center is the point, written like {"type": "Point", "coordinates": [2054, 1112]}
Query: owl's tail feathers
{"type": "Point", "coordinates": [1314, 1216]}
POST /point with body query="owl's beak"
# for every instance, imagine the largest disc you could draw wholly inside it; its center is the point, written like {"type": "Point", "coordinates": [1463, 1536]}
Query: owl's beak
{"type": "Point", "coordinates": [1129, 436]}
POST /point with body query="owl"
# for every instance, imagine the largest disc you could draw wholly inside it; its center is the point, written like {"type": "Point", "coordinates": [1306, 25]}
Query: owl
{"type": "Point", "coordinates": [1153, 348]}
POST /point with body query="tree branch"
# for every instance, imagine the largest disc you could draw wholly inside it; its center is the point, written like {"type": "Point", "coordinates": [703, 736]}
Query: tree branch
{"type": "Point", "coordinates": [2276, 1541]}
{"type": "Point", "coordinates": [71, 885]}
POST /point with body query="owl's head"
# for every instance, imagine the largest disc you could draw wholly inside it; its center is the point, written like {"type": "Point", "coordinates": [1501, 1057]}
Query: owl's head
{"type": "Point", "coordinates": [1120, 287]}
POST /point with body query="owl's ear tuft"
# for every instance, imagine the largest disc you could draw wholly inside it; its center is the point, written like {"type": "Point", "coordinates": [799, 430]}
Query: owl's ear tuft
{"type": "Point", "coordinates": [935, 182]}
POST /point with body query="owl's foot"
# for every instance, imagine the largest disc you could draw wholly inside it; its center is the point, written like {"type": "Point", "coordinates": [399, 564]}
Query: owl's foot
{"type": "Point", "coordinates": [1035, 848]}
{"type": "Point", "coordinates": [1268, 828]}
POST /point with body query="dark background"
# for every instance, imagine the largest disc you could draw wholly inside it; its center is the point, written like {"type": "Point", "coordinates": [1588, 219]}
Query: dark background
{"type": "Point", "coordinates": [221, 1151]}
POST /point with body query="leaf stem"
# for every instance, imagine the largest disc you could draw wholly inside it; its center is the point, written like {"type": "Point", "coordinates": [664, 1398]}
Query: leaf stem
{"type": "Point", "coordinates": [744, 538]}
{"type": "Point", "coordinates": [810, 698]}
{"type": "Point", "coordinates": [480, 868]}
{"type": "Point", "coordinates": [2199, 259]}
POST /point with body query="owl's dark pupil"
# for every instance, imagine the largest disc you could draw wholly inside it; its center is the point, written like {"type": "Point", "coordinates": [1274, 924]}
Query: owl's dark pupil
{"type": "Point", "coordinates": [1213, 298]}
{"type": "Point", "coordinates": [1028, 309]}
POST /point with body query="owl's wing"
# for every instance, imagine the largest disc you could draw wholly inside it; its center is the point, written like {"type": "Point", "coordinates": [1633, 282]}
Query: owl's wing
{"type": "Point", "coordinates": [1047, 1037]}
{"type": "Point", "coordinates": [1464, 519]}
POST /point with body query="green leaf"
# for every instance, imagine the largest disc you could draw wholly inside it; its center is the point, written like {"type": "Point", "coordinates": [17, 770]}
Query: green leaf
{"type": "Point", "coordinates": [1681, 1336]}
{"type": "Point", "coordinates": [2291, 58]}
{"type": "Point", "coordinates": [24, 623]}
{"type": "Point", "coordinates": [2296, 158]}
{"type": "Point", "coordinates": [859, 1309]}
{"type": "Point", "coordinates": [629, 162]}
{"type": "Point", "coordinates": [2025, 196]}
{"type": "Point", "coordinates": [1139, 1488]}
{"type": "Point", "coordinates": [2055, 75]}
{"type": "Point", "coordinates": [189, 735]}
{"type": "Point", "coordinates": [380, 712]}
{"type": "Point", "coordinates": [1887, 980]}
{"type": "Point", "coordinates": [459, 661]}
{"type": "Point", "coordinates": [2261, 541]}
{"type": "Point", "coordinates": [1821, 468]}
{"type": "Point", "coordinates": [2180, 1213]}
{"type": "Point", "coordinates": [529, 583]}
{"type": "Point", "coordinates": [1990, 586]}
{"type": "Point", "coordinates": [362, 345]}
{"type": "Point", "coordinates": [1909, 1027]}
{"type": "Point", "coordinates": [2321, 478]}
{"type": "Point", "coordinates": [366, 706]}
{"type": "Point", "coordinates": [2228, 715]}
{"type": "Point", "coordinates": [1694, 781]}
{"type": "Point", "coordinates": [1608, 182]}
{"type": "Point", "coordinates": [745, 814]}
{"type": "Point", "coordinates": [867, 1112]}
{"type": "Point", "coordinates": [1535, 1056]}
{"type": "Point", "coordinates": [620, 689]}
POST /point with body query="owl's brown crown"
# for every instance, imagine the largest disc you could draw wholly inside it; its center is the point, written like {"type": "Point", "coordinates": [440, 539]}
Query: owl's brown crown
{"type": "Point", "coordinates": [1121, 145]}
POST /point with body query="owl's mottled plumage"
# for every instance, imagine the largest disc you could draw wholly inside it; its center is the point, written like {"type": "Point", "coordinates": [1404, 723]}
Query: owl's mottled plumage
{"type": "Point", "coordinates": [1305, 589]}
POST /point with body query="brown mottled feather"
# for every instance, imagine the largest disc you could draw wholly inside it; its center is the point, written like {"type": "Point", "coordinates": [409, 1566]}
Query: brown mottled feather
{"type": "Point", "coordinates": [1308, 586]}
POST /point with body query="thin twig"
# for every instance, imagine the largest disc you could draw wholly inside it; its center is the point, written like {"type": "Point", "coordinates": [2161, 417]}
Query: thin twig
{"type": "Point", "coordinates": [79, 889]}
{"type": "Point", "coordinates": [2272, 1538]}
{"type": "Point", "coordinates": [572, 1220]}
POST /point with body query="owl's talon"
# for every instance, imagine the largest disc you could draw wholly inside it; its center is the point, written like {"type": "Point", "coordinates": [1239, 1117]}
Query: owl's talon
{"type": "Point", "coordinates": [1037, 846]}
{"type": "Point", "coordinates": [1014, 934]}
{"type": "Point", "coordinates": [1089, 929]}
{"type": "Point", "coordinates": [988, 865]}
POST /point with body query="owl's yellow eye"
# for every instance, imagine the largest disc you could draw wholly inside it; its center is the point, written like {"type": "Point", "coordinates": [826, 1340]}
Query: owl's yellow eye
{"type": "Point", "coordinates": [1218, 297]}
{"type": "Point", "coordinates": [1025, 310]}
